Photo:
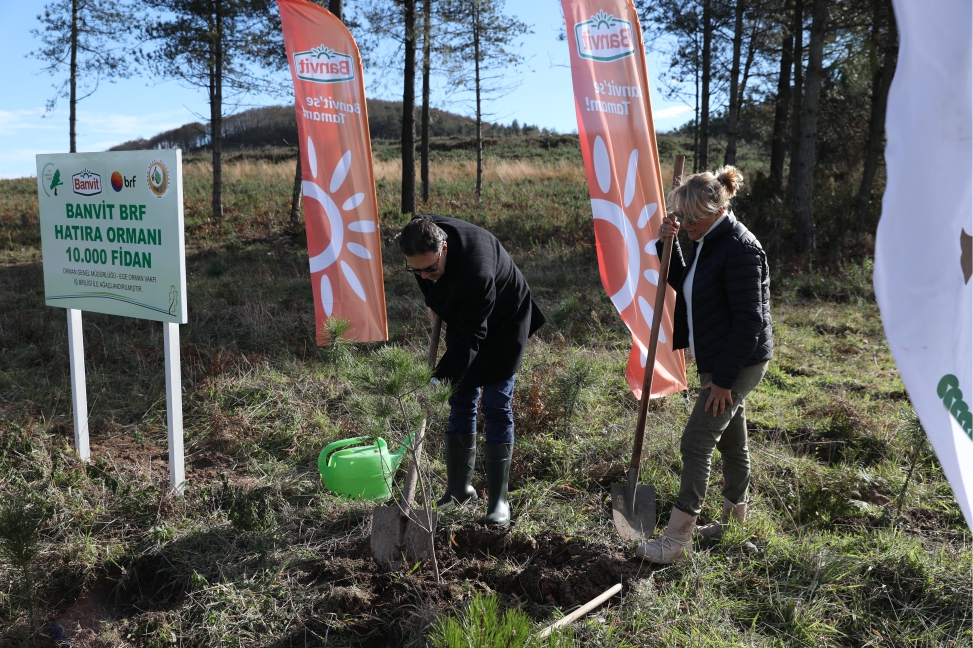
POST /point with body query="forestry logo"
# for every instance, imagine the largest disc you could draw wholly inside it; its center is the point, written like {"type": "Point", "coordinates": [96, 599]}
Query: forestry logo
{"type": "Point", "coordinates": [157, 177]}
{"type": "Point", "coordinates": [50, 179]}
{"type": "Point", "coordinates": [86, 183]}
{"type": "Point", "coordinates": [604, 38]}
{"type": "Point", "coordinates": [323, 65]}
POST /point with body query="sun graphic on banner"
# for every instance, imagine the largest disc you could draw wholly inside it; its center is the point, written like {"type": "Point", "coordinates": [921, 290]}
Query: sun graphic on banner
{"type": "Point", "coordinates": [614, 214]}
{"type": "Point", "coordinates": [337, 247]}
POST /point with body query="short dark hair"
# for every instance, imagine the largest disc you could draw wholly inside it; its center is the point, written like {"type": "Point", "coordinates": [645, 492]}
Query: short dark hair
{"type": "Point", "coordinates": [421, 236]}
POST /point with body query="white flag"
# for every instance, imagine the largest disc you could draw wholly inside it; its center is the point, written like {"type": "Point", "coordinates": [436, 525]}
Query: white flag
{"type": "Point", "coordinates": [923, 253]}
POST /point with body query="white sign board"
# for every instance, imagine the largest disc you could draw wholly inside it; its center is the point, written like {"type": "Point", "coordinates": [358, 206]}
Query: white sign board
{"type": "Point", "coordinates": [113, 242]}
{"type": "Point", "coordinates": [112, 233]}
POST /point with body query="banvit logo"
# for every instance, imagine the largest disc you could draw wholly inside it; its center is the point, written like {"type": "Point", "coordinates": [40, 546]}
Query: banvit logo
{"type": "Point", "coordinates": [324, 65]}
{"type": "Point", "coordinates": [86, 183]}
{"type": "Point", "coordinates": [604, 38]}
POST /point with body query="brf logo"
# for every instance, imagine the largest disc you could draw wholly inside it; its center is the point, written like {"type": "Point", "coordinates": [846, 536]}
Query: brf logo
{"type": "Point", "coordinates": [86, 183]}
{"type": "Point", "coordinates": [323, 65]}
{"type": "Point", "coordinates": [604, 38]}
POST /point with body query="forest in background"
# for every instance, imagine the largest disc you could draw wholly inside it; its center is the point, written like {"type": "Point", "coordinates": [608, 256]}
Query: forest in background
{"type": "Point", "coordinates": [804, 81]}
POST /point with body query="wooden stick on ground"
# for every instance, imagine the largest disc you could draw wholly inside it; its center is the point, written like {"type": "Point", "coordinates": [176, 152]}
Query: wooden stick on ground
{"type": "Point", "coordinates": [580, 612]}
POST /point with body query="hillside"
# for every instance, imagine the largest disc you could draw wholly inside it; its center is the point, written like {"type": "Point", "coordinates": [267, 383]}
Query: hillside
{"type": "Point", "coordinates": [276, 126]}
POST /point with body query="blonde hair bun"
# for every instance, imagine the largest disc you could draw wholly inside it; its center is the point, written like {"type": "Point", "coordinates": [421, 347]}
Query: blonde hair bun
{"type": "Point", "coordinates": [731, 178]}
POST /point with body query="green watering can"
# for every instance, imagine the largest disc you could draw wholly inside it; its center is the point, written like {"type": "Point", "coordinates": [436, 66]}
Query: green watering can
{"type": "Point", "coordinates": [359, 468]}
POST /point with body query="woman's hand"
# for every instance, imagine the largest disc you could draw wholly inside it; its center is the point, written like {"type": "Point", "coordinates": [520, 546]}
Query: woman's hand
{"type": "Point", "coordinates": [669, 227]}
{"type": "Point", "coordinates": [719, 398]}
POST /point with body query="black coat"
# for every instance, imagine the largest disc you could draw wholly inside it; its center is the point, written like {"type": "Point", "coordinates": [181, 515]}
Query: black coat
{"type": "Point", "coordinates": [486, 305]}
{"type": "Point", "coordinates": [731, 302]}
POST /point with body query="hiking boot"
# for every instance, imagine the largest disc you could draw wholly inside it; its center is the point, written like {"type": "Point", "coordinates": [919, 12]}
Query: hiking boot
{"type": "Point", "coordinates": [673, 545]}
{"type": "Point", "coordinates": [714, 530]}
{"type": "Point", "coordinates": [496, 461]}
{"type": "Point", "coordinates": [460, 450]}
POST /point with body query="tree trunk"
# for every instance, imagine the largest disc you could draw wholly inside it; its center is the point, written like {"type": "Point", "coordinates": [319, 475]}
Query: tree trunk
{"type": "Point", "coordinates": [479, 108]}
{"type": "Point", "coordinates": [73, 117]}
{"type": "Point", "coordinates": [778, 146]}
{"type": "Point", "coordinates": [798, 96]}
{"type": "Point", "coordinates": [334, 6]}
{"type": "Point", "coordinates": [696, 108]}
{"type": "Point", "coordinates": [704, 102]}
{"type": "Point", "coordinates": [734, 110]}
{"type": "Point", "coordinates": [409, 112]}
{"type": "Point", "coordinates": [747, 66]}
{"type": "Point", "coordinates": [216, 112]}
{"type": "Point", "coordinates": [881, 82]}
{"type": "Point", "coordinates": [426, 64]}
{"type": "Point", "coordinates": [804, 191]}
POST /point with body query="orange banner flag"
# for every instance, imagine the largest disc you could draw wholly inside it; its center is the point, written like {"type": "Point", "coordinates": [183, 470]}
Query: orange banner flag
{"type": "Point", "coordinates": [340, 204]}
{"type": "Point", "coordinates": [621, 159]}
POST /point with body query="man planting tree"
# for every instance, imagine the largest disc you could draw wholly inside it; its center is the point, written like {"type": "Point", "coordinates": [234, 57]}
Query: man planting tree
{"type": "Point", "coordinates": [470, 281]}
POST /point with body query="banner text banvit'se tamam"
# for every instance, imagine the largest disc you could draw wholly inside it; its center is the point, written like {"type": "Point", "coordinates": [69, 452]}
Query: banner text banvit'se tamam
{"type": "Point", "coordinates": [336, 164]}
{"type": "Point", "coordinates": [611, 97]}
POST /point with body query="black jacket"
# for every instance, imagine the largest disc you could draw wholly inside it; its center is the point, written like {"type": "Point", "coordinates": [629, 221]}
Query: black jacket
{"type": "Point", "coordinates": [731, 302]}
{"type": "Point", "coordinates": [485, 303]}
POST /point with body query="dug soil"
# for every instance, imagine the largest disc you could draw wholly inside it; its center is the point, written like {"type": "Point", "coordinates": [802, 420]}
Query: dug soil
{"type": "Point", "coordinates": [536, 574]}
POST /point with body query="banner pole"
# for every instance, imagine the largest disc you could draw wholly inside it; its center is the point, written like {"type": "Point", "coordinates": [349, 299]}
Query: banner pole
{"type": "Point", "coordinates": [177, 460]}
{"type": "Point", "coordinates": [79, 389]}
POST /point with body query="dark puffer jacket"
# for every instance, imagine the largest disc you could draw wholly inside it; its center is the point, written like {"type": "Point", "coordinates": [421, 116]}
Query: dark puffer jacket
{"type": "Point", "coordinates": [731, 302]}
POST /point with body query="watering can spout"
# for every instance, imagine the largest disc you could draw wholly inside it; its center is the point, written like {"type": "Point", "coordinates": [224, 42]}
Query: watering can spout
{"type": "Point", "coordinates": [397, 456]}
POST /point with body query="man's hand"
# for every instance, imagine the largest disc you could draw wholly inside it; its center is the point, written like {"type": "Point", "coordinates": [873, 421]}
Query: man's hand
{"type": "Point", "coordinates": [719, 398]}
{"type": "Point", "coordinates": [432, 315]}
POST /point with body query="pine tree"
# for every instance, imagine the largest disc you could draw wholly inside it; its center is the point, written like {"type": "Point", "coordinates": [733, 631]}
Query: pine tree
{"type": "Point", "coordinates": [486, 53]}
{"type": "Point", "coordinates": [87, 39]}
{"type": "Point", "coordinates": [218, 45]}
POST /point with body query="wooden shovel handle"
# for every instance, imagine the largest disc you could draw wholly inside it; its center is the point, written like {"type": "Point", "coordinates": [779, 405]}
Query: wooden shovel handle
{"type": "Point", "coordinates": [437, 327]}
{"type": "Point", "coordinates": [412, 477]}
{"type": "Point", "coordinates": [660, 303]}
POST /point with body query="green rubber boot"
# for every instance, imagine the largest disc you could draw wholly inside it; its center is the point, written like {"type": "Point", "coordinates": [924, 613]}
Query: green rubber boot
{"type": "Point", "coordinates": [496, 461]}
{"type": "Point", "coordinates": [460, 459]}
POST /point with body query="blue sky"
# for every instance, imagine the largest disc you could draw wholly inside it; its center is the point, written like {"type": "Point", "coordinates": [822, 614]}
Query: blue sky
{"type": "Point", "coordinates": [143, 106]}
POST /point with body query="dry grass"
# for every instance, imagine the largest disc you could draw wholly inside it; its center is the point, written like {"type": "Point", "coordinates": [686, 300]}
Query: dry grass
{"type": "Point", "coordinates": [238, 560]}
{"type": "Point", "coordinates": [391, 170]}
{"type": "Point", "coordinates": [247, 170]}
{"type": "Point", "coordinates": [493, 170]}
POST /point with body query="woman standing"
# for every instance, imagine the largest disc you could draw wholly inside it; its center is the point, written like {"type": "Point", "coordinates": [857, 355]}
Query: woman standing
{"type": "Point", "coordinates": [723, 317]}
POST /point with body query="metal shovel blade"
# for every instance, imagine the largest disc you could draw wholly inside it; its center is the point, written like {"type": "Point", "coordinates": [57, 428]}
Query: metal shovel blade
{"type": "Point", "coordinates": [634, 523]}
{"type": "Point", "coordinates": [396, 536]}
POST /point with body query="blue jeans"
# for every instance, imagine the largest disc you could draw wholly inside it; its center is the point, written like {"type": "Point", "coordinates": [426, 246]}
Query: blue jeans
{"type": "Point", "coordinates": [497, 411]}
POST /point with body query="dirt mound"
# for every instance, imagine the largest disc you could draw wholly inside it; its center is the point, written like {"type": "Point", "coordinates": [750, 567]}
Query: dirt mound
{"type": "Point", "coordinates": [536, 573]}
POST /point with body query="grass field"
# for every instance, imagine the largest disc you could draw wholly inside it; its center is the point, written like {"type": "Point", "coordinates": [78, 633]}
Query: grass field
{"type": "Point", "coordinates": [257, 553]}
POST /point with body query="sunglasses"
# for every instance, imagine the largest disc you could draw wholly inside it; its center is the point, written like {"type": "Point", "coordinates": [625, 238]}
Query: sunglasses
{"type": "Point", "coordinates": [433, 268]}
{"type": "Point", "coordinates": [688, 219]}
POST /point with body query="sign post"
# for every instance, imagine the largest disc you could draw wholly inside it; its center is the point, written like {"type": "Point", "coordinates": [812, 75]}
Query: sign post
{"type": "Point", "coordinates": [113, 242]}
{"type": "Point", "coordinates": [177, 464]}
{"type": "Point", "coordinates": [79, 392]}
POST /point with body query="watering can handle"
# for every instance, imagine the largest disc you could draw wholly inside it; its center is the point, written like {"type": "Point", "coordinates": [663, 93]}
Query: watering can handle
{"type": "Point", "coordinates": [337, 445]}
